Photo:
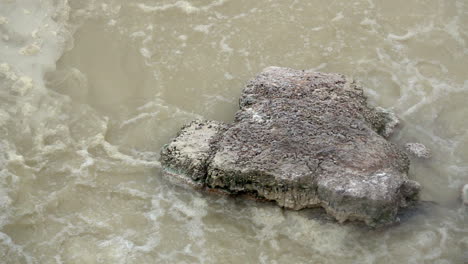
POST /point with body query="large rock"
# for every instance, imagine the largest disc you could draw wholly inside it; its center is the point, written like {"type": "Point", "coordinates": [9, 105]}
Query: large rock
{"type": "Point", "coordinates": [303, 139]}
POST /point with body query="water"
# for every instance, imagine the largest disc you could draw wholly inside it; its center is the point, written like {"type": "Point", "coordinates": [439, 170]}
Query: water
{"type": "Point", "coordinates": [91, 90]}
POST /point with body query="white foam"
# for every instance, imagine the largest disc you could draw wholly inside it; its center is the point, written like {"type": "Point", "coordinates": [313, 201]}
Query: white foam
{"type": "Point", "coordinates": [339, 16]}
{"type": "Point", "coordinates": [403, 37]}
{"type": "Point", "coordinates": [203, 28]}
{"type": "Point", "coordinates": [6, 241]}
{"type": "Point", "coordinates": [184, 6]}
{"type": "Point", "coordinates": [3, 20]}
{"type": "Point", "coordinates": [225, 46]}
{"type": "Point", "coordinates": [228, 76]}
{"type": "Point", "coordinates": [146, 53]}
{"type": "Point", "coordinates": [22, 85]}
{"type": "Point", "coordinates": [316, 28]}
{"type": "Point", "coordinates": [112, 22]}
{"type": "Point", "coordinates": [138, 34]}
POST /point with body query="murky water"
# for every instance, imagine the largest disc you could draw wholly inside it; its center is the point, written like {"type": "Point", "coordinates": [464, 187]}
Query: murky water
{"type": "Point", "coordinates": [91, 89]}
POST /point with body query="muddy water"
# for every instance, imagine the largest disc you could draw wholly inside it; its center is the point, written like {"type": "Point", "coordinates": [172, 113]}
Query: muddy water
{"type": "Point", "coordinates": [91, 89]}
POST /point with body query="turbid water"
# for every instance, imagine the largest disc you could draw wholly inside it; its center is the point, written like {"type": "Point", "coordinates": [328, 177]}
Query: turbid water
{"type": "Point", "coordinates": [91, 89]}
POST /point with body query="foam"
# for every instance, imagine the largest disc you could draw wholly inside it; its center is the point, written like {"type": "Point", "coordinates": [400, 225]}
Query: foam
{"type": "Point", "coordinates": [203, 28]}
{"type": "Point", "coordinates": [339, 16]}
{"type": "Point", "coordinates": [3, 20]}
{"type": "Point", "coordinates": [225, 46]}
{"type": "Point", "coordinates": [184, 6]}
{"type": "Point", "coordinates": [14, 249]}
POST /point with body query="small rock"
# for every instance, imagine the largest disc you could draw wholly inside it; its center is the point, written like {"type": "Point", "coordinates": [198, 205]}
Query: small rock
{"type": "Point", "coordinates": [465, 194]}
{"type": "Point", "coordinates": [418, 150]}
{"type": "Point", "coordinates": [390, 122]}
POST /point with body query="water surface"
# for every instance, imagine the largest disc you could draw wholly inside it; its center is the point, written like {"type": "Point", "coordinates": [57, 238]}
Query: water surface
{"type": "Point", "coordinates": [91, 89]}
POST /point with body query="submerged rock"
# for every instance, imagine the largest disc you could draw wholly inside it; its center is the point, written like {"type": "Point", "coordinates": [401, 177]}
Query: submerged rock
{"type": "Point", "coordinates": [302, 139]}
{"type": "Point", "coordinates": [418, 150]}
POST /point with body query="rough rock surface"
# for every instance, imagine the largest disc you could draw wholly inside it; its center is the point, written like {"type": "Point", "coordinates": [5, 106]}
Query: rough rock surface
{"type": "Point", "coordinates": [189, 153]}
{"type": "Point", "coordinates": [303, 139]}
{"type": "Point", "coordinates": [418, 150]}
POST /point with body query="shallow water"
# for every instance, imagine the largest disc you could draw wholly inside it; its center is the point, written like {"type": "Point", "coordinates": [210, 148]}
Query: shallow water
{"type": "Point", "coordinates": [91, 89]}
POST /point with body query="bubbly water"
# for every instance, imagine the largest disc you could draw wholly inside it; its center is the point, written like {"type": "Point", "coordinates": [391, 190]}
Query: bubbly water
{"type": "Point", "coordinates": [90, 90]}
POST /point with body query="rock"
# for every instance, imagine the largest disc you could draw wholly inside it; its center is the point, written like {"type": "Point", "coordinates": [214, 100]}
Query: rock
{"type": "Point", "coordinates": [187, 155]}
{"type": "Point", "coordinates": [391, 122]}
{"type": "Point", "coordinates": [465, 194]}
{"type": "Point", "coordinates": [418, 150]}
{"type": "Point", "coordinates": [303, 139]}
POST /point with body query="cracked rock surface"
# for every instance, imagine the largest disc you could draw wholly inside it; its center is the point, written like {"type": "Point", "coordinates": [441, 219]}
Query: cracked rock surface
{"type": "Point", "coordinates": [302, 139]}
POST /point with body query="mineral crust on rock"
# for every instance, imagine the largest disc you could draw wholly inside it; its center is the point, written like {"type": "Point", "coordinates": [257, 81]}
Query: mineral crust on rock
{"type": "Point", "coordinates": [418, 150]}
{"type": "Point", "coordinates": [302, 139]}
